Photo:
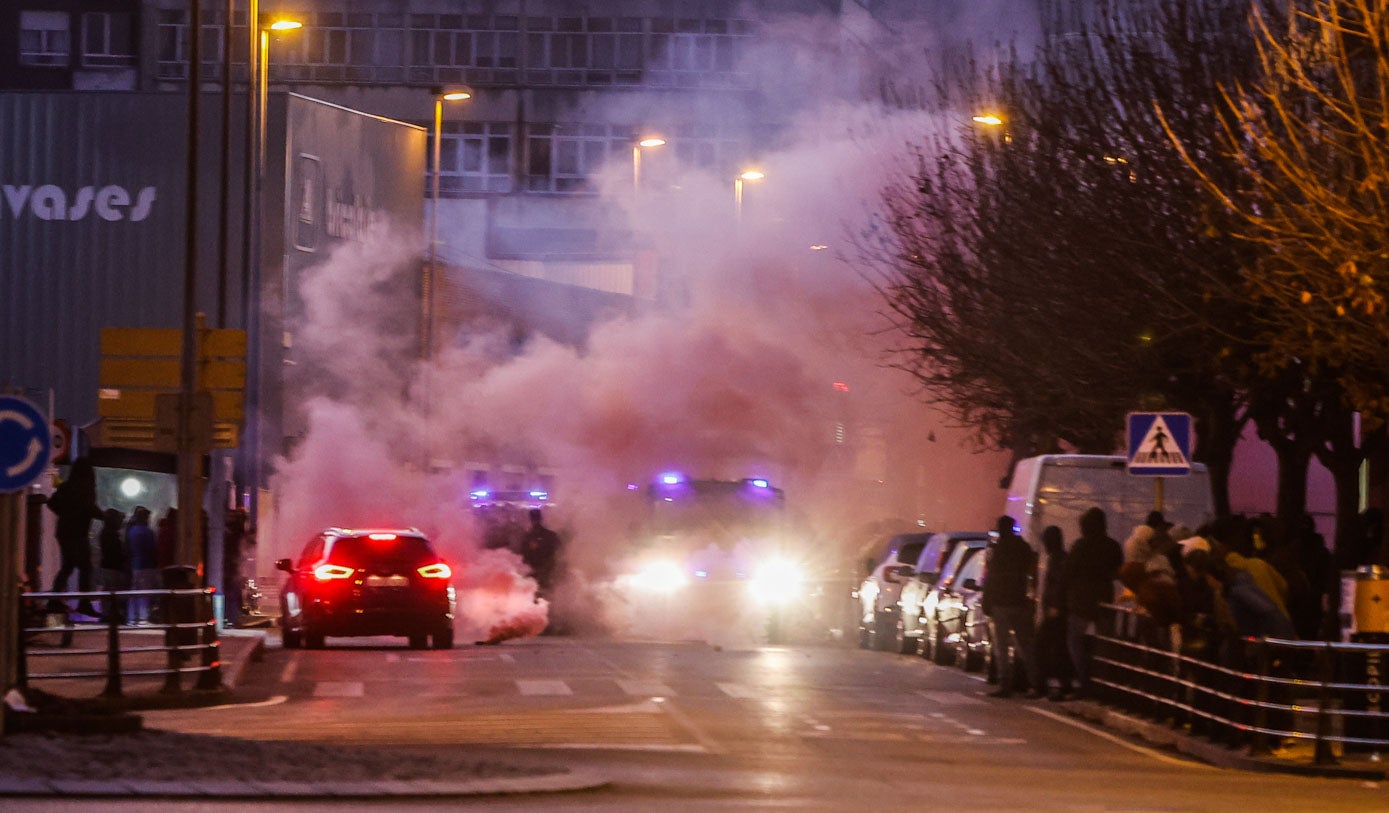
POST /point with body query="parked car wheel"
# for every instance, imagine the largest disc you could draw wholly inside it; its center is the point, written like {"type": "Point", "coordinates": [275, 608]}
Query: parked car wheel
{"type": "Point", "coordinates": [290, 638]}
{"type": "Point", "coordinates": [443, 639]}
{"type": "Point", "coordinates": [941, 652]}
{"type": "Point", "coordinates": [904, 644]}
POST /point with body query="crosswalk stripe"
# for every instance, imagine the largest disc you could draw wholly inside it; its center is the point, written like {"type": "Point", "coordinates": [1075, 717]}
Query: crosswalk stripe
{"type": "Point", "coordinates": [951, 698]}
{"type": "Point", "coordinates": [339, 688]}
{"type": "Point", "coordinates": [536, 688]}
{"type": "Point", "coordinates": [739, 691]}
{"type": "Point", "coordinates": [646, 688]}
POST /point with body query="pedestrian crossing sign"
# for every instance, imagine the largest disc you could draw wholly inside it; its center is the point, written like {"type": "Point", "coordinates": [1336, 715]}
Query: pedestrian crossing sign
{"type": "Point", "coordinates": [1159, 444]}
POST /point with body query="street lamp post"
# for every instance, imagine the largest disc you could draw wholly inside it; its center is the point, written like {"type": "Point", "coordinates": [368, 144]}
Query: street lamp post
{"type": "Point", "coordinates": [427, 298]}
{"type": "Point", "coordinates": [257, 91]}
{"type": "Point", "coordinates": [646, 143]}
{"type": "Point", "coordinates": [748, 175]}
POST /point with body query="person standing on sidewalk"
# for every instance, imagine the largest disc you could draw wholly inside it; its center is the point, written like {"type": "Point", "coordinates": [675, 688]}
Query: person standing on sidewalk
{"type": "Point", "coordinates": [1053, 664]}
{"type": "Point", "coordinates": [115, 564]}
{"type": "Point", "coordinates": [1009, 576]}
{"type": "Point", "coordinates": [1091, 568]}
{"type": "Point", "coordinates": [74, 501]}
{"type": "Point", "coordinates": [144, 563]}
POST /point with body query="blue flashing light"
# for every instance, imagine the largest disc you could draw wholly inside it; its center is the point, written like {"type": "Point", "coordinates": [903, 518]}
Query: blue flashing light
{"type": "Point", "coordinates": [672, 478]}
{"type": "Point", "coordinates": [632, 486]}
{"type": "Point", "coordinates": [703, 574]}
{"type": "Point", "coordinates": [540, 495]}
{"type": "Point", "coordinates": [760, 483]}
{"type": "Point", "coordinates": [479, 494]}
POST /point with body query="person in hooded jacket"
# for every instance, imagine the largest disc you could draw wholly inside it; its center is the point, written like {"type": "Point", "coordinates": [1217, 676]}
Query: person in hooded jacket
{"type": "Point", "coordinates": [1007, 601]}
{"type": "Point", "coordinates": [1053, 664]}
{"type": "Point", "coordinates": [1092, 566]}
{"type": "Point", "coordinates": [74, 501]}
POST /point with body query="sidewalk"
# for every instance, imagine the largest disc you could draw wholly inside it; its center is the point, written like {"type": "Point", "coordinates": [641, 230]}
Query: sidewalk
{"type": "Point", "coordinates": [107, 755]}
{"type": "Point", "coordinates": [1293, 759]}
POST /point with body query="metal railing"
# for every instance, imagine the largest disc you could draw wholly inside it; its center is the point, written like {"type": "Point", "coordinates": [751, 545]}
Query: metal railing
{"type": "Point", "coordinates": [1257, 693]}
{"type": "Point", "coordinates": [190, 645]}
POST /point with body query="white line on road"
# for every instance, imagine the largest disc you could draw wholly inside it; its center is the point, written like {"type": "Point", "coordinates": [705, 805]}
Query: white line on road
{"type": "Point", "coordinates": [339, 688]}
{"type": "Point", "coordinates": [290, 669]}
{"type": "Point", "coordinates": [1139, 749]}
{"type": "Point", "coordinates": [392, 657]}
{"type": "Point", "coordinates": [537, 688]}
{"type": "Point", "coordinates": [739, 691]}
{"type": "Point", "coordinates": [646, 688]}
{"type": "Point", "coordinates": [506, 658]}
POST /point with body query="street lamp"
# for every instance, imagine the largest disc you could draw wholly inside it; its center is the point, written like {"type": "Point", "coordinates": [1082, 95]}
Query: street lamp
{"type": "Point", "coordinates": [747, 175]}
{"type": "Point", "coordinates": [257, 89]}
{"type": "Point", "coordinates": [988, 119]}
{"type": "Point", "coordinates": [646, 143]}
{"type": "Point", "coordinates": [427, 303]}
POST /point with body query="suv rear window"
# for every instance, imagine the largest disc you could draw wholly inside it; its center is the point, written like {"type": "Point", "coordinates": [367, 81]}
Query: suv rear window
{"type": "Point", "coordinates": [363, 551]}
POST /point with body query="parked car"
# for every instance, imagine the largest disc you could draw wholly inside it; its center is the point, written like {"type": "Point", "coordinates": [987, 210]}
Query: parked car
{"type": "Point", "coordinates": [941, 610]}
{"type": "Point", "coordinates": [377, 581]}
{"type": "Point", "coordinates": [879, 592]}
{"type": "Point", "coordinates": [967, 630]}
{"type": "Point", "coordinates": [927, 570]}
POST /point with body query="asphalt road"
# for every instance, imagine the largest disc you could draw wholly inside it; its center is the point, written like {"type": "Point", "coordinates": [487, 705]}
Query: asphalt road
{"type": "Point", "coordinates": [690, 727]}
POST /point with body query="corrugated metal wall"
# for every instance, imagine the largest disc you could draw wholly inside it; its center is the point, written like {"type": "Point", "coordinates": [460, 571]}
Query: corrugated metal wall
{"type": "Point", "coordinates": [92, 229]}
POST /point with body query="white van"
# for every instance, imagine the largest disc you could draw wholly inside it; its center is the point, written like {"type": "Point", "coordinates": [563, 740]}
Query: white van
{"type": "Point", "coordinates": [1056, 489]}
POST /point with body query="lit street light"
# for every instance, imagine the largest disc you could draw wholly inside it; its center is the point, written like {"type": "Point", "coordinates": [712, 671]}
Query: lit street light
{"type": "Point", "coordinates": [748, 175]}
{"type": "Point", "coordinates": [257, 90]}
{"type": "Point", "coordinates": [440, 96]}
{"type": "Point", "coordinates": [646, 143]}
{"type": "Point", "coordinates": [988, 119]}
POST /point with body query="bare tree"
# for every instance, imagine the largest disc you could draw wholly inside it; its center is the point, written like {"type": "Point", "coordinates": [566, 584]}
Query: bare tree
{"type": "Point", "coordinates": [1051, 274]}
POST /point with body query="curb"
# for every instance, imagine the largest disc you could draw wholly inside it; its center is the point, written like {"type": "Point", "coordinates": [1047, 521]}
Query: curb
{"type": "Point", "coordinates": [1210, 752]}
{"type": "Point", "coordinates": [244, 789]}
{"type": "Point", "coordinates": [236, 670]}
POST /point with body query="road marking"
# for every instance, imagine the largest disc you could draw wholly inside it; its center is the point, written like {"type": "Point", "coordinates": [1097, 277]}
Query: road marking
{"type": "Point", "coordinates": [739, 691]}
{"type": "Point", "coordinates": [708, 743]}
{"type": "Point", "coordinates": [646, 688]}
{"type": "Point", "coordinates": [291, 668]}
{"type": "Point", "coordinates": [392, 657]}
{"type": "Point", "coordinates": [1139, 749]}
{"type": "Point", "coordinates": [274, 701]}
{"type": "Point", "coordinates": [339, 688]}
{"type": "Point", "coordinates": [538, 688]}
{"type": "Point", "coordinates": [950, 698]}
{"type": "Point", "coordinates": [506, 658]}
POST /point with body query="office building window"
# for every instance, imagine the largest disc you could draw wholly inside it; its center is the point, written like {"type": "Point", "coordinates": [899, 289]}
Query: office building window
{"type": "Point", "coordinates": [44, 37]}
{"type": "Point", "coordinates": [562, 157]}
{"type": "Point", "coordinates": [475, 157]}
{"type": "Point", "coordinates": [108, 39]}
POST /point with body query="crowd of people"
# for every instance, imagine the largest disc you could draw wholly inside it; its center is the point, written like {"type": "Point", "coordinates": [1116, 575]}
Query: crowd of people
{"type": "Point", "coordinates": [1200, 592]}
{"type": "Point", "coordinates": [130, 553]}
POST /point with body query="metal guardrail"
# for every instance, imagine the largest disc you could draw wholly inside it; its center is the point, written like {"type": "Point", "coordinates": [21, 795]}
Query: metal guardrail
{"type": "Point", "coordinates": [186, 618]}
{"type": "Point", "coordinates": [1326, 692]}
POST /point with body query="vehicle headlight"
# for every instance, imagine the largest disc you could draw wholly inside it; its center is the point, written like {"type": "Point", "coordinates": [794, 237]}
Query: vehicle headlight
{"type": "Point", "coordinates": [660, 576]}
{"type": "Point", "coordinates": [777, 581]}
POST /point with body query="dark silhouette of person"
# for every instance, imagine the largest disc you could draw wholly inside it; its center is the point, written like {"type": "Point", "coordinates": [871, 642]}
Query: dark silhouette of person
{"type": "Point", "coordinates": [115, 563]}
{"type": "Point", "coordinates": [540, 552]}
{"type": "Point", "coordinates": [1092, 565]}
{"type": "Point", "coordinates": [1008, 602]}
{"type": "Point", "coordinates": [1053, 661]}
{"type": "Point", "coordinates": [234, 534]}
{"type": "Point", "coordinates": [74, 501]}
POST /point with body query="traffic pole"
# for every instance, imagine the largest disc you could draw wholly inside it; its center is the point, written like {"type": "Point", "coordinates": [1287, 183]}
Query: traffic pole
{"type": "Point", "coordinates": [11, 638]}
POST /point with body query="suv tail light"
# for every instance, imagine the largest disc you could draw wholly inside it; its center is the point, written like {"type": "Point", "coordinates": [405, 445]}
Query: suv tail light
{"type": "Point", "coordinates": [438, 570]}
{"type": "Point", "coordinates": [329, 572]}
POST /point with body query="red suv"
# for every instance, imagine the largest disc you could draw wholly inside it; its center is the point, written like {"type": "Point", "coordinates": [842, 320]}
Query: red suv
{"type": "Point", "coordinates": [375, 581]}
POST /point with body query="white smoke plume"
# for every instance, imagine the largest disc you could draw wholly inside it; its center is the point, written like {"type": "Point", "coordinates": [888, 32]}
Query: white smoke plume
{"type": "Point", "coordinates": [745, 375]}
